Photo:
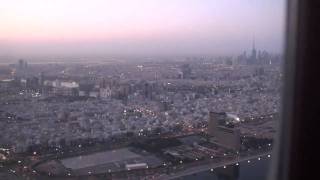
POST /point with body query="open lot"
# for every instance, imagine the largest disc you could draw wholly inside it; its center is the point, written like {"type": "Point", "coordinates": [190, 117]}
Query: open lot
{"type": "Point", "coordinates": [100, 158]}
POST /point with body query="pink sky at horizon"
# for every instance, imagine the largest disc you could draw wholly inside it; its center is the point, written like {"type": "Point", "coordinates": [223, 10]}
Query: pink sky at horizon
{"type": "Point", "coordinates": [140, 25]}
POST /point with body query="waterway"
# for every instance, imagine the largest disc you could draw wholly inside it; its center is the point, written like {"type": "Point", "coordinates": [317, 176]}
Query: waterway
{"type": "Point", "coordinates": [253, 170]}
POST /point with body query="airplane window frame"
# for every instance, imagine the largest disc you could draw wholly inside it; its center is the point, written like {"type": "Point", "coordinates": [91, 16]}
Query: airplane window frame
{"type": "Point", "coordinates": [294, 152]}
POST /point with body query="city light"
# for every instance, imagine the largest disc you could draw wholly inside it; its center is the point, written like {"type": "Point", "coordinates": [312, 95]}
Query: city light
{"type": "Point", "coordinates": [160, 116]}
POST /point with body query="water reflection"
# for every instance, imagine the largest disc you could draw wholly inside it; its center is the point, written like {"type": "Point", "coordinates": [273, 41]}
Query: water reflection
{"type": "Point", "coordinates": [229, 173]}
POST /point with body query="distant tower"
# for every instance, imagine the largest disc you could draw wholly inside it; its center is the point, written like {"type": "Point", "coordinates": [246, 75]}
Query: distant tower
{"type": "Point", "coordinates": [186, 71]}
{"type": "Point", "coordinates": [20, 64]}
{"type": "Point", "coordinates": [253, 53]}
{"type": "Point", "coordinates": [148, 90]}
{"type": "Point", "coordinates": [41, 79]}
{"type": "Point", "coordinates": [103, 83]}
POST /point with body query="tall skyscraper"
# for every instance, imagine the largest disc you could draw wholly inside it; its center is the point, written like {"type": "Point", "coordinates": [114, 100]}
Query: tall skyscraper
{"type": "Point", "coordinates": [253, 58]}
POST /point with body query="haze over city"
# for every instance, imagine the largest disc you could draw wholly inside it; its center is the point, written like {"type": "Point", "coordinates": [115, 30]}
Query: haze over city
{"type": "Point", "coordinates": [144, 89]}
{"type": "Point", "coordinates": [145, 27]}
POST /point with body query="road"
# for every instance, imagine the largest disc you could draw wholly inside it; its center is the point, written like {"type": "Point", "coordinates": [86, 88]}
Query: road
{"type": "Point", "coordinates": [201, 168]}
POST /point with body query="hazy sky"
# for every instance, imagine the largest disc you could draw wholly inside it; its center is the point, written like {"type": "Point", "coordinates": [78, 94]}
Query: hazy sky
{"type": "Point", "coordinates": [143, 27]}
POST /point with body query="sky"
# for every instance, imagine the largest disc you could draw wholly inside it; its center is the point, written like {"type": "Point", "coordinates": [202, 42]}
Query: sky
{"type": "Point", "coordinates": [140, 27]}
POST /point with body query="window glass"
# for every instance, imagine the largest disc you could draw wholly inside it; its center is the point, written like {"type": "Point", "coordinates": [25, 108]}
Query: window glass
{"type": "Point", "coordinates": [148, 89]}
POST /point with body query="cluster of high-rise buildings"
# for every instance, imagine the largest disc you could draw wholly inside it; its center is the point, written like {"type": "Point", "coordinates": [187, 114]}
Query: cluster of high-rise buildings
{"type": "Point", "coordinates": [258, 57]}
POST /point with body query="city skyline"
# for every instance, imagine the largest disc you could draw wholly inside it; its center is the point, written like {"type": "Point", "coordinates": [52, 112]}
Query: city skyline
{"type": "Point", "coordinates": [145, 28]}
{"type": "Point", "coordinates": [144, 89]}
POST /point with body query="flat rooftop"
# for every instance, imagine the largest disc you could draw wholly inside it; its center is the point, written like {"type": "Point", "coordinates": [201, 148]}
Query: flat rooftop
{"type": "Point", "coordinates": [99, 158]}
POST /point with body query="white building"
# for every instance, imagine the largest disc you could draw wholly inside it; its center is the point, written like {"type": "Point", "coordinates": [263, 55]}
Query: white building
{"type": "Point", "coordinates": [136, 166]}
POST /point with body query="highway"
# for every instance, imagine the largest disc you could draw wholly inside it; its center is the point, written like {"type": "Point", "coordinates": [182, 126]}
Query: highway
{"type": "Point", "coordinates": [205, 167]}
